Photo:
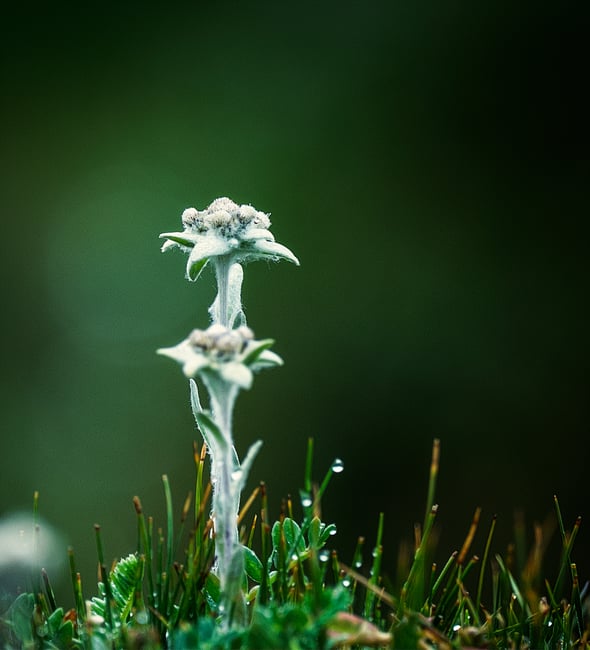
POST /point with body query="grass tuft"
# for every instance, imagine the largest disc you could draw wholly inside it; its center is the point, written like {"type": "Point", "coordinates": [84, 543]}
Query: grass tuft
{"type": "Point", "coordinates": [299, 595]}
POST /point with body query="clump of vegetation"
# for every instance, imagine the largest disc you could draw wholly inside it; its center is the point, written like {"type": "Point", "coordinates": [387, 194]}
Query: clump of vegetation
{"type": "Point", "coordinates": [219, 575]}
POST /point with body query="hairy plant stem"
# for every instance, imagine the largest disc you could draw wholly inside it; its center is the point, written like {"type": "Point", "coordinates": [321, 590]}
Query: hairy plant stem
{"type": "Point", "coordinates": [222, 266]}
{"type": "Point", "coordinates": [226, 495]}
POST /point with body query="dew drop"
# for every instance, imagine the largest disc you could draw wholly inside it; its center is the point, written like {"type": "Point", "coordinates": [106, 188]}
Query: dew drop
{"type": "Point", "coordinates": [346, 582]}
{"type": "Point", "coordinates": [333, 530]}
{"type": "Point", "coordinates": [324, 556]}
{"type": "Point", "coordinates": [358, 564]}
{"type": "Point", "coordinates": [306, 500]}
{"type": "Point", "coordinates": [337, 466]}
{"type": "Point", "coordinates": [142, 617]}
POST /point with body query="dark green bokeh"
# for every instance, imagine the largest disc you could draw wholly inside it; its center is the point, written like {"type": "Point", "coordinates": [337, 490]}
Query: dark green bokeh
{"type": "Point", "coordinates": [426, 163]}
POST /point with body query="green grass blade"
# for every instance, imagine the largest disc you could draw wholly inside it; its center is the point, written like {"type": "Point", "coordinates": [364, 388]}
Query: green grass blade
{"type": "Point", "coordinates": [434, 466]}
{"type": "Point", "coordinates": [565, 567]}
{"type": "Point", "coordinates": [76, 587]}
{"type": "Point", "coordinates": [413, 590]}
{"type": "Point", "coordinates": [145, 546]}
{"type": "Point", "coordinates": [375, 570]}
{"type": "Point", "coordinates": [484, 563]}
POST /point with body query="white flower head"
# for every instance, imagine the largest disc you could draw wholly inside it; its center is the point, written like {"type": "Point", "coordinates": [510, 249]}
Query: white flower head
{"type": "Point", "coordinates": [225, 228]}
{"type": "Point", "coordinates": [231, 354]}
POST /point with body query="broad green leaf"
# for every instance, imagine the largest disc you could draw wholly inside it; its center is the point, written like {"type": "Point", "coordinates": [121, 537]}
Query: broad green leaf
{"type": "Point", "coordinates": [290, 530]}
{"type": "Point", "coordinates": [66, 634]}
{"type": "Point", "coordinates": [54, 621]}
{"type": "Point", "coordinates": [19, 616]}
{"type": "Point", "coordinates": [212, 589]}
{"type": "Point", "coordinates": [253, 565]}
{"type": "Point", "coordinates": [315, 530]}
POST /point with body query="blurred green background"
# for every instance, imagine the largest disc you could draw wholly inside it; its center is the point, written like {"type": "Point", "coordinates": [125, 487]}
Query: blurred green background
{"type": "Point", "coordinates": [426, 161]}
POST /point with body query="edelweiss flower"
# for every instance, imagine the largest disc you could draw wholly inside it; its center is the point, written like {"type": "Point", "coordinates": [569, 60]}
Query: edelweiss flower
{"type": "Point", "coordinates": [232, 355]}
{"type": "Point", "coordinates": [225, 228]}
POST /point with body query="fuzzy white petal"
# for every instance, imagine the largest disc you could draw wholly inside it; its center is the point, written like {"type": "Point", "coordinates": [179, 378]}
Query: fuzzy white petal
{"type": "Point", "coordinates": [195, 363]}
{"type": "Point", "coordinates": [207, 246]}
{"type": "Point", "coordinates": [185, 354]}
{"type": "Point", "coordinates": [266, 359]}
{"type": "Point", "coordinates": [183, 239]}
{"type": "Point", "coordinates": [253, 234]}
{"type": "Point", "coordinates": [264, 248]}
{"type": "Point", "coordinates": [236, 373]}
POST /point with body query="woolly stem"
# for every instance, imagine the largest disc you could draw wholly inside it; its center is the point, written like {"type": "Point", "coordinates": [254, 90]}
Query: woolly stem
{"type": "Point", "coordinates": [226, 495]}
{"type": "Point", "coordinates": [222, 266]}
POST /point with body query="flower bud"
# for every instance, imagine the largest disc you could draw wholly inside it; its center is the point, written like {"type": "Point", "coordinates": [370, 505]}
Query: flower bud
{"type": "Point", "coordinates": [216, 330]}
{"type": "Point", "coordinates": [261, 220]}
{"type": "Point", "coordinates": [200, 339]}
{"type": "Point", "coordinates": [246, 333]}
{"type": "Point", "coordinates": [247, 213]}
{"type": "Point", "coordinates": [192, 219]}
{"type": "Point", "coordinates": [230, 343]}
{"type": "Point", "coordinates": [223, 203]}
{"type": "Point", "coordinates": [219, 219]}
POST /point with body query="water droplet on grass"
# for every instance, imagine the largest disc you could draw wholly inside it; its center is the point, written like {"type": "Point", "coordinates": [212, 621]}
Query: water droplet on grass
{"type": "Point", "coordinates": [337, 466]}
{"type": "Point", "coordinates": [306, 500]}
{"type": "Point", "coordinates": [142, 617]}
{"type": "Point", "coordinates": [346, 582]}
{"type": "Point", "coordinates": [324, 556]}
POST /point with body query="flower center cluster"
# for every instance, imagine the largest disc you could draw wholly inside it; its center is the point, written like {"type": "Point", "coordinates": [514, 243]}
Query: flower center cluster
{"type": "Point", "coordinates": [221, 343]}
{"type": "Point", "coordinates": [225, 217]}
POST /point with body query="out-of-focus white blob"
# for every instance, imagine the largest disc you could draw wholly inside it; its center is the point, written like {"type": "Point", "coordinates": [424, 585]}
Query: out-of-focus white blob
{"type": "Point", "coordinates": [26, 547]}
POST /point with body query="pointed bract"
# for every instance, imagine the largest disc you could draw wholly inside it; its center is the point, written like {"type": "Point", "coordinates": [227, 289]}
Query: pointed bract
{"type": "Point", "coordinates": [235, 372]}
{"type": "Point", "coordinates": [273, 250]}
